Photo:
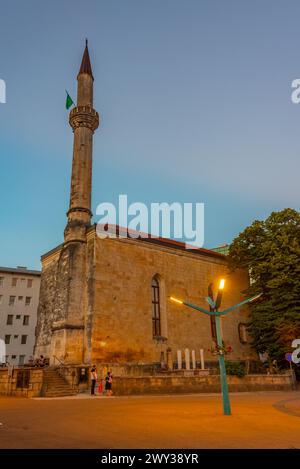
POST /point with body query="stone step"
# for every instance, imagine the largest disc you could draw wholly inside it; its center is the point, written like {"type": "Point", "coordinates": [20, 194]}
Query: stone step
{"type": "Point", "coordinates": [55, 385]}
{"type": "Point", "coordinates": [53, 375]}
{"type": "Point", "coordinates": [55, 380]}
{"type": "Point", "coordinates": [68, 392]}
{"type": "Point", "coordinates": [57, 388]}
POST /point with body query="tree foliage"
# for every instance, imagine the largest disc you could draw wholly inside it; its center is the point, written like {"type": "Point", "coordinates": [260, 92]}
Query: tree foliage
{"type": "Point", "coordinates": [270, 250]}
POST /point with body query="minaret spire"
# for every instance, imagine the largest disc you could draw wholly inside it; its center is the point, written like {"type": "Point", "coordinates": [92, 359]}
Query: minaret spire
{"type": "Point", "coordinates": [84, 120]}
{"type": "Point", "coordinates": [86, 63]}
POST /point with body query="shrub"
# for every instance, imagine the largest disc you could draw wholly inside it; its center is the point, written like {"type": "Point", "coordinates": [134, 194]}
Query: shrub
{"type": "Point", "coordinates": [235, 368]}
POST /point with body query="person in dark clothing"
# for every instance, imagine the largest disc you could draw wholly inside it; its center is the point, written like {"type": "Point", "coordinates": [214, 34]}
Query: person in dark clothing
{"type": "Point", "coordinates": [93, 379]}
{"type": "Point", "coordinates": [41, 361]}
{"type": "Point", "coordinates": [108, 383]}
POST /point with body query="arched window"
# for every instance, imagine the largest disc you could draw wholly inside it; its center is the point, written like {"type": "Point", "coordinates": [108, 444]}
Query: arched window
{"type": "Point", "coordinates": [213, 328]}
{"type": "Point", "coordinates": [156, 324]}
{"type": "Point", "coordinates": [243, 333]}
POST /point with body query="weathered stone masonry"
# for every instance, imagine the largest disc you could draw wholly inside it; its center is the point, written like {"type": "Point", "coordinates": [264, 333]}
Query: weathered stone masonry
{"type": "Point", "coordinates": [116, 292]}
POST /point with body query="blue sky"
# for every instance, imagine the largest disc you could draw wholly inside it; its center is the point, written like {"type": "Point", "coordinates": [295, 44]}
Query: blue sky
{"type": "Point", "coordinates": [195, 103]}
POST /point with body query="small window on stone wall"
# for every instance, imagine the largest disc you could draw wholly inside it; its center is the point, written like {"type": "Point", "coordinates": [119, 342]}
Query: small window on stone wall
{"type": "Point", "coordinates": [243, 333]}
{"type": "Point", "coordinates": [156, 325]}
{"type": "Point", "coordinates": [213, 328]}
{"type": "Point", "coordinates": [23, 377]}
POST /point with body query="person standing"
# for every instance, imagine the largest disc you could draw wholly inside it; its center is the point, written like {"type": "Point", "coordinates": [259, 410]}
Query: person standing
{"type": "Point", "coordinates": [108, 383]}
{"type": "Point", "coordinates": [93, 379]}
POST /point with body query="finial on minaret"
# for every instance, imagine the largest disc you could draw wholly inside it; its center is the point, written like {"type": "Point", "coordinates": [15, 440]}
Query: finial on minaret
{"type": "Point", "coordinates": [86, 63]}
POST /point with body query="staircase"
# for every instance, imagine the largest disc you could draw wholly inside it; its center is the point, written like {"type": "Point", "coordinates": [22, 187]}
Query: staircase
{"type": "Point", "coordinates": [54, 385]}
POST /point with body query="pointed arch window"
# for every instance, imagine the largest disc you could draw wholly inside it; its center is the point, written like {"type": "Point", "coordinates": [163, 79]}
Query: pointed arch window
{"type": "Point", "coordinates": [213, 327]}
{"type": "Point", "coordinates": [156, 319]}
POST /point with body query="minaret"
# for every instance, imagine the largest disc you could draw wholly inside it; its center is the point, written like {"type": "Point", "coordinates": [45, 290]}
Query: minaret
{"type": "Point", "coordinates": [84, 120]}
{"type": "Point", "coordinates": [65, 317]}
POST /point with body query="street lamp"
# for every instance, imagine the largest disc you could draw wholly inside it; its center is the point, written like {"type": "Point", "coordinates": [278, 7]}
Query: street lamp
{"type": "Point", "coordinates": [214, 311]}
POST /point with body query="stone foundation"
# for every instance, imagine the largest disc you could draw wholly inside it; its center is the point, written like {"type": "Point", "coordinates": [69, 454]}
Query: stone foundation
{"type": "Point", "coordinates": [26, 382]}
{"type": "Point", "coordinates": [23, 382]}
{"type": "Point", "coordinates": [200, 384]}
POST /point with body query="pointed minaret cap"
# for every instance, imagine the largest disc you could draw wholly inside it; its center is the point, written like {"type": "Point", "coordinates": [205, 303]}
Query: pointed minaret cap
{"type": "Point", "coordinates": [86, 63]}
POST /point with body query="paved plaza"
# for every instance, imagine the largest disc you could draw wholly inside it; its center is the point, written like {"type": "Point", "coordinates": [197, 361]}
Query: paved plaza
{"type": "Point", "coordinates": [259, 420]}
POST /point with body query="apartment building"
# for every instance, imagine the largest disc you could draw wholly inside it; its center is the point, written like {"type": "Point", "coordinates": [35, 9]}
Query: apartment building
{"type": "Point", "coordinates": [19, 297]}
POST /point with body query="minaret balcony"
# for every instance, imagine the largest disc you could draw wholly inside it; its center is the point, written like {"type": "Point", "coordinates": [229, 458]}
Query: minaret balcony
{"type": "Point", "coordinates": [84, 116]}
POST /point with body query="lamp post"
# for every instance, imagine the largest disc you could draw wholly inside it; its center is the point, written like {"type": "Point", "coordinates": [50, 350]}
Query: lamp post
{"type": "Point", "coordinates": [214, 311]}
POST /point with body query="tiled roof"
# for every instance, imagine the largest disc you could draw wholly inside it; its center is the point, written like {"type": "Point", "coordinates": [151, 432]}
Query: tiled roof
{"type": "Point", "coordinates": [146, 237]}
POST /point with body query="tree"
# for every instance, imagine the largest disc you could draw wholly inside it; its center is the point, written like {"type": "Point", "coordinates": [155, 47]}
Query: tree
{"type": "Point", "coordinates": [270, 250]}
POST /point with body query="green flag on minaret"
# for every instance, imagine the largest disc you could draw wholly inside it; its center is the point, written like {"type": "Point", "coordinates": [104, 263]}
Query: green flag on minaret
{"type": "Point", "coordinates": [69, 101]}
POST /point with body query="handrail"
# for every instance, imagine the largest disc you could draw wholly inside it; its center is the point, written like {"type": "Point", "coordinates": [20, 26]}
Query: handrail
{"type": "Point", "coordinates": [59, 360]}
{"type": "Point", "coordinates": [61, 364]}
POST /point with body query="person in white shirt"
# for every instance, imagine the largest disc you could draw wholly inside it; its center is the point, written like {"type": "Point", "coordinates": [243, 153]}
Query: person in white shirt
{"type": "Point", "coordinates": [93, 379]}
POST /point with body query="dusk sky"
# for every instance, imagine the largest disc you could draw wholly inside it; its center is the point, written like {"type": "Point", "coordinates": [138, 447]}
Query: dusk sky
{"type": "Point", "coordinates": [195, 103]}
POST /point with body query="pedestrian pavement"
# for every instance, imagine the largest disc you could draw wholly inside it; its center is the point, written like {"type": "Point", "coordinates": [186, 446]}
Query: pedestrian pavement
{"type": "Point", "coordinates": [258, 420]}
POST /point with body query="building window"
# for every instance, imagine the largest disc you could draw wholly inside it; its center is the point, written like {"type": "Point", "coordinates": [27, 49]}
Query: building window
{"type": "Point", "coordinates": [29, 282]}
{"type": "Point", "coordinates": [243, 333]}
{"type": "Point", "coordinates": [23, 377]}
{"type": "Point", "coordinates": [9, 320]}
{"type": "Point", "coordinates": [25, 320]}
{"type": "Point", "coordinates": [1, 281]}
{"type": "Point", "coordinates": [13, 357]}
{"type": "Point", "coordinates": [14, 281]}
{"type": "Point", "coordinates": [7, 339]}
{"type": "Point", "coordinates": [27, 300]}
{"type": "Point", "coordinates": [156, 326]}
{"type": "Point", "coordinates": [11, 300]}
{"type": "Point", "coordinates": [1, 299]}
{"type": "Point", "coordinates": [24, 339]}
{"type": "Point", "coordinates": [20, 298]}
{"type": "Point", "coordinates": [21, 359]}
{"type": "Point", "coordinates": [213, 328]}
{"type": "Point", "coordinates": [18, 316]}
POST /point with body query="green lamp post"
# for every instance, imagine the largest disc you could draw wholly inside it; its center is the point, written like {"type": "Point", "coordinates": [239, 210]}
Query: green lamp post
{"type": "Point", "coordinates": [214, 311]}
